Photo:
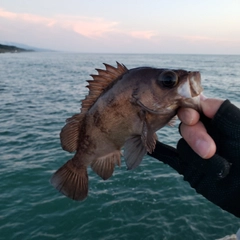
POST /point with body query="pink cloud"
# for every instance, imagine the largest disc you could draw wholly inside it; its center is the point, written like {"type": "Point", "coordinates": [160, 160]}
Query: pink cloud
{"type": "Point", "coordinates": [24, 17]}
{"type": "Point", "coordinates": [6, 14]}
{"type": "Point", "coordinates": [210, 40]}
{"type": "Point", "coordinates": [89, 27]}
{"type": "Point", "coordinates": [196, 38]}
{"type": "Point", "coordinates": [85, 26]}
{"type": "Point", "coordinates": [81, 33]}
{"type": "Point", "coordinates": [143, 34]}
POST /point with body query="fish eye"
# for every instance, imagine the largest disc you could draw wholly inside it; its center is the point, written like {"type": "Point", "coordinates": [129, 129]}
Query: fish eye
{"type": "Point", "coordinates": [168, 79]}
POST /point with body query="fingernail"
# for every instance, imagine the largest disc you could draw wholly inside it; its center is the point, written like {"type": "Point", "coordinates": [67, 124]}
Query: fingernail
{"type": "Point", "coordinates": [187, 117]}
{"type": "Point", "coordinates": [202, 148]}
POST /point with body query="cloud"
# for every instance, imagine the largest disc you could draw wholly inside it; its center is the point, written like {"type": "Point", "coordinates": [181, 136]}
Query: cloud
{"type": "Point", "coordinates": [92, 34]}
{"type": "Point", "coordinates": [6, 14]}
{"type": "Point", "coordinates": [89, 27]}
{"type": "Point", "coordinates": [24, 17]}
{"type": "Point", "coordinates": [196, 38]}
{"type": "Point", "coordinates": [211, 41]}
{"type": "Point", "coordinates": [73, 33]}
{"type": "Point", "coordinates": [86, 26]}
{"type": "Point", "coordinates": [143, 34]}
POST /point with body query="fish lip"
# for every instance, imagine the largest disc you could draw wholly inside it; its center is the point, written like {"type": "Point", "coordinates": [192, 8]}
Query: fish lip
{"type": "Point", "coordinates": [191, 87]}
{"type": "Point", "coordinates": [190, 91]}
{"type": "Point", "coordinates": [196, 88]}
{"type": "Point", "coordinates": [193, 102]}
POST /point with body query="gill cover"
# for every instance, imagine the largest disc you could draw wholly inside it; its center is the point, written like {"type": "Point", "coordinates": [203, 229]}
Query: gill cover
{"type": "Point", "coordinates": [151, 95]}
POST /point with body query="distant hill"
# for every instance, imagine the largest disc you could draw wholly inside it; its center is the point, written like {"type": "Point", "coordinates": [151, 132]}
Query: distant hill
{"type": "Point", "coordinates": [26, 47]}
{"type": "Point", "coordinates": [12, 49]}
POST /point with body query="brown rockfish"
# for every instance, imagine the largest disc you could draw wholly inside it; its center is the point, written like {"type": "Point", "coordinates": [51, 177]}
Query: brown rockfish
{"type": "Point", "coordinates": [124, 108]}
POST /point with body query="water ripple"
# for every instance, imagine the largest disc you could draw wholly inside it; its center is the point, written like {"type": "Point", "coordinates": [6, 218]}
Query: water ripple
{"type": "Point", "coordinates": [38, 92]}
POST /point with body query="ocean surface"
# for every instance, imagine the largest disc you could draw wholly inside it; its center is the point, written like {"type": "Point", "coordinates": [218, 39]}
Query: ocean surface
{"type": "Point", "coordinates": [38, 91]}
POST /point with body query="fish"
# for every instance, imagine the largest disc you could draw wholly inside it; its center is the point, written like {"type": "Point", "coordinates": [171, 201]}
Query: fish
{"type": "Point", "coordinates": [123, 110]}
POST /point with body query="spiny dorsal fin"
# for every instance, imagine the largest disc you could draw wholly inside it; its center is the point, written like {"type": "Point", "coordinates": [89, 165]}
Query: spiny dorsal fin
{"type": "Point", "coordinates": [70, 132]}
{"type": "Point", "coordinates": [100, 82]}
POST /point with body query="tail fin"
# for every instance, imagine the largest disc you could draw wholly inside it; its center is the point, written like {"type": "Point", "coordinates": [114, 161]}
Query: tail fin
{"type": "Point", "coordinates": [71, 181]}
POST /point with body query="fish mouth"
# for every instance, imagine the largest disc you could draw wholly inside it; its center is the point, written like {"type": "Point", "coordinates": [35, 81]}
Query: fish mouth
{"type": "Point", "coordinates": [193, 102]}
{"type": "Point", "coordinates": [191, 87]}
{"type": "Point", "coordinates": [190, 91]}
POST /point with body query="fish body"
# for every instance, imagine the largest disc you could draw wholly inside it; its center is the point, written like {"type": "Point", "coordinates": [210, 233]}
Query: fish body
{"type": "Point", "coordinates": [124, 108]}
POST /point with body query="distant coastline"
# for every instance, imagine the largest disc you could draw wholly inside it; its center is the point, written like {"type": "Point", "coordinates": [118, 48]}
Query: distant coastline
{"type": "Point", "coordinates": [12, 49]}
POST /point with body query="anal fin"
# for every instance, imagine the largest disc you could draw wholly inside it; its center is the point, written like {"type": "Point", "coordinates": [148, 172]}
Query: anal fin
{"type": "Point", "coordinates": [104, 166]}
{"type": "Point", "coordinates": [134, 150]}
{"type": "Point", "coordinates": [71, 181]}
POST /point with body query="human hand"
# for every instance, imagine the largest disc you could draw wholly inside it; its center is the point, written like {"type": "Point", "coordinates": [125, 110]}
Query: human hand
{"type": "Point", "coordinates": [193, 130]}
{"type": "Point", "coordinates": [216, 178]}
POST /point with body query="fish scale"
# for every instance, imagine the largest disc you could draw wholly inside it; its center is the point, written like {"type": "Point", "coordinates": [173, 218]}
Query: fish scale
{"type": "Point", "coordinates": [124, 109]}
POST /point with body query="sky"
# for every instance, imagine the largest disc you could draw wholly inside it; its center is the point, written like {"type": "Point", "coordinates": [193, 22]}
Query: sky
{"type": "Point", "coordinates": [126, 26]}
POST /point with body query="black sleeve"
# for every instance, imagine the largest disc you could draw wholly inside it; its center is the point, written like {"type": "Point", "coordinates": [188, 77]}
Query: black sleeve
{"type": "Point", "coordinates": [217, 178]}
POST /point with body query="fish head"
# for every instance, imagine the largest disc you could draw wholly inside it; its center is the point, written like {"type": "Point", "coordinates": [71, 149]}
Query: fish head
{"type": "Point", "coordinates": [167, 90]}
{"type": "Point", "coordinates": [184, 87]}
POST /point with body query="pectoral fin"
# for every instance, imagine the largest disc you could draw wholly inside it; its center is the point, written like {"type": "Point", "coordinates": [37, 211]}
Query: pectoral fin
{"type": "Point", "coordinates": [148, 138]}
{"type": "Point", "coordinates": [172, 122]}
{"type": "Point", "coordinates": [134, 150]}
{"type": "Point", "coordinates": [70, 133]}
{"type": "Point", "coordinates": [105, 165]}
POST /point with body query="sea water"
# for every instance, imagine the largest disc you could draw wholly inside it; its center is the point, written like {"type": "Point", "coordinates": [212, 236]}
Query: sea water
{"type": "Point", "coordinates": [38, 91]}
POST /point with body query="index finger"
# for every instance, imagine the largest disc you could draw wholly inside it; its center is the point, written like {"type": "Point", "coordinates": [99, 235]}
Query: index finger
{"type": "Point", "coordinates": [210, 106]}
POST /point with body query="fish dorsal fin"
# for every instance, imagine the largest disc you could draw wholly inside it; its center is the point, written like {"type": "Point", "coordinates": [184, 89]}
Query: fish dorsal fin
{"type": "Point", "coordinates": [104, 166]}
{"type": "Point", "coordinates": [70, 132]}
{"type": "Point", "coordinates": [99, 83]}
